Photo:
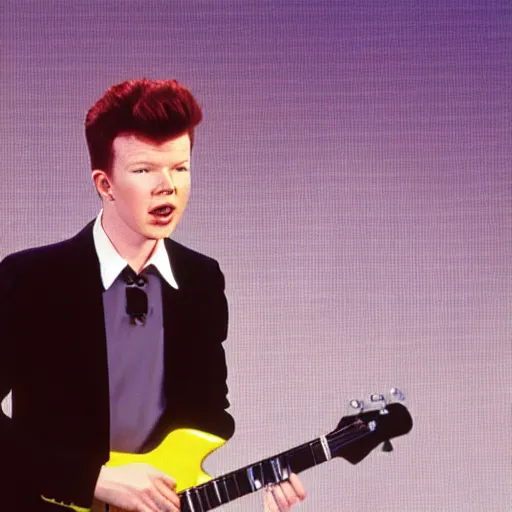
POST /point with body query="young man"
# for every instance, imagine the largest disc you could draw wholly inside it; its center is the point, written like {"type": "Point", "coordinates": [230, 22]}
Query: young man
{"type": "Point", "coordinates": [114, 337]}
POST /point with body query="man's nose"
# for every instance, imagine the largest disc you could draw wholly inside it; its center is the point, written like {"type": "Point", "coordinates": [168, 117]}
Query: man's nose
{"type": "Point", "coordinates": [166, 185]}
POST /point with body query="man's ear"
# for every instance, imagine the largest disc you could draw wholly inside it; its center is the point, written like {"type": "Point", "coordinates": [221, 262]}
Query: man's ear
{"type": "Point", "coordinates": [102, 184]}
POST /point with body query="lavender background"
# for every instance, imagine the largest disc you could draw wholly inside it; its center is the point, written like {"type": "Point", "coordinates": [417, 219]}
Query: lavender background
{"type": "Point", "coordinates": [353, 177]}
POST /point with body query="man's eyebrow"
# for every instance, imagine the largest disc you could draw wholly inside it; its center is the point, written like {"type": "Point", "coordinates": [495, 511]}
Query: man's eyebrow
{"type": "Point", "coordinates": [181, 163]}
{"type": "Point", "coordinates": [155, 162]}
{"type": "Point", "coordinates": [140, 162]}
{"type": "Point", "coordinates": [140, 159]}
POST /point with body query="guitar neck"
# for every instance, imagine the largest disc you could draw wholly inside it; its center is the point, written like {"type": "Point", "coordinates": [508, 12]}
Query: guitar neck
{"type": "Point", "coordinates": [276, 469]}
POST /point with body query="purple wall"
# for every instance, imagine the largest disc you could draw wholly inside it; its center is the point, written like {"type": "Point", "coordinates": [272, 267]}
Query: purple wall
{"type": "Point", "coordinates": [352, 175]}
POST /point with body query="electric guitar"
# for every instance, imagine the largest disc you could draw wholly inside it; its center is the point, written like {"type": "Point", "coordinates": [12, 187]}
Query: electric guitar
{"type": "Point", "coordinates": [182, 452]}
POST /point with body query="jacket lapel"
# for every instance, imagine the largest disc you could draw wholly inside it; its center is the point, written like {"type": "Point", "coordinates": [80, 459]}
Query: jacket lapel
{"type": "Point", "coordinates": [91, 333]}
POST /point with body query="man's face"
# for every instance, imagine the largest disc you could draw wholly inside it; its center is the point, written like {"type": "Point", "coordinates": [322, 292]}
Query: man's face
{"type": "Point", "coordinates": [149, 184]}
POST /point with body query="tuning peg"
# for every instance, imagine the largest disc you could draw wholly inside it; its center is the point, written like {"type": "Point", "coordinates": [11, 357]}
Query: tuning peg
{"type": "Point", "coordinates": [357, 404]}
{"type": "Point", "coordinates": [397, 394]}
{"type": "Point", "coordinates": [376, 398]}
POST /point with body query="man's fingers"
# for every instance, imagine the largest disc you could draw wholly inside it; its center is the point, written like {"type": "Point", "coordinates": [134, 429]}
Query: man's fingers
{"type": "Point", "coordinates": [146, 503]}
{"type": "Point", "coordinates": [281, 497]}
{"type": "Point", "coordinates": [168, 480]}
{"type": "Point", "coordinates": [166, 488]}
{"type": "Point", "coordinates": [276, 500]}
{"type": "Point", "coordinates": [292, 490]}
{"type": "Point", "coordinates": [137, 487]}
{"type": "Point", "coordinates": [290, 496]}
{"type": "Point", "coordinates": [157, 502]}
{"type": "Point", "coordinates": [297, 486]}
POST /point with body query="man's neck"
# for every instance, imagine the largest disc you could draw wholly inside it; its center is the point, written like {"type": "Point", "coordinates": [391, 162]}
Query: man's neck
{"type": "Point", "coordinates": [132, 247]}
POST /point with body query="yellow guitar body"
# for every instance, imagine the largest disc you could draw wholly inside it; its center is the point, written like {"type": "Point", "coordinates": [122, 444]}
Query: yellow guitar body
{"type": "Point", "coordinates": [180, 455]}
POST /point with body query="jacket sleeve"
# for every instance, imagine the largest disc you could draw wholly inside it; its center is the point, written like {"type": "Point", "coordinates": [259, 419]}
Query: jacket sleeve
{"type": "Point", "coordinates": [35, 477]}
{"type": "Point", "coordinates": [199, 371]}
{"type": "Point", "coordinates": [212, 366]}
{"type": "Point", "coordinates": [7, 367]}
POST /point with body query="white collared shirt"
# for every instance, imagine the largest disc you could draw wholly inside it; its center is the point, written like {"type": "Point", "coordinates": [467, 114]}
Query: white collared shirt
{"type": "Point", "coordinates": [112, 263]}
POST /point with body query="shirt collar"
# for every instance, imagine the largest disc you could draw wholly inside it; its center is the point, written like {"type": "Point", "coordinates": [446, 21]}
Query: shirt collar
{"type": "Point", "coordinates": [112, 263]}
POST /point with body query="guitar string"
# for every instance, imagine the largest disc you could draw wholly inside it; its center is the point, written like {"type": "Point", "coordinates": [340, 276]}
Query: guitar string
{"type": "Point", "coordinates": [341, 439]}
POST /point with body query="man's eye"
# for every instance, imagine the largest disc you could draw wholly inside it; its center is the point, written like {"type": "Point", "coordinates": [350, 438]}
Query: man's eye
{"type": "Point", "coordinates": [182, 169]}
{"type": "Point", "coordinates": [140, 171]}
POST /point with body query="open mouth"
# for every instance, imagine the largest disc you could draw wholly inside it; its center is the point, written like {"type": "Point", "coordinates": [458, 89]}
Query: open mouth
{"type": "Point", "coordinates": [162, 211]}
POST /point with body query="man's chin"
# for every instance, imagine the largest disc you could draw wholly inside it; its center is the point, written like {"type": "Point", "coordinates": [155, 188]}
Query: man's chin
{"type": "Point", "coordinates": [159, 233]}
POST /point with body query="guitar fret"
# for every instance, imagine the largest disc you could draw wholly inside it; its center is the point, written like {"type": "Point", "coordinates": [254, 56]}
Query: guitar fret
{"type": "Point", "coordinates": [287, 468]}
{"type": "Point", "coordinates": [200, 499]}
{"type": "Point", "coordinates": [189, 501]}
{"type": "Point", "coordinates": [276, 468]}
{"type": "Point", "coordinates": [313, 452]}
{"type": "Point", "coordinates": [256, 476]}
{"type": "Point", "coordinates": [217, 491]}
{"type": "Point", "coordinates": [252, 479]}
{"type": "Point", "coordinates": [280, 473]}
{"type": "Point", "coordinates": [208, 504]}
{"type": "Point", "coordinates": [212, 493]}
{"type": "Point", "coordinates": [236, 484]}
{"type": "Point", "coordinates": [226, 489]}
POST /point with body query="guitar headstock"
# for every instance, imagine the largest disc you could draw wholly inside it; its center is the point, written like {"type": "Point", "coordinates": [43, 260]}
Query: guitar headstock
{"type": "Point", "coordinates": [358, 434]}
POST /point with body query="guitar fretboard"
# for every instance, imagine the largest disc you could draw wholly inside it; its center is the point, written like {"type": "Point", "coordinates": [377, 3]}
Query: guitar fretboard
{"type": "Point", "coordinates": [236, 484]}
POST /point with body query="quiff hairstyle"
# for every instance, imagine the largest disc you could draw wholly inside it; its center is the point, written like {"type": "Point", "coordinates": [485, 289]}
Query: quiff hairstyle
{"type": "Point", "coordinates": [154, 109]}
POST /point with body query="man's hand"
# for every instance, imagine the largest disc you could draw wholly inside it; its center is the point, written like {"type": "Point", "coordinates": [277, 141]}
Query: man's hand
{"type": "Point", "coordinates": [280, 498]}
{"type": "Point", "coordinates": [138, 488]}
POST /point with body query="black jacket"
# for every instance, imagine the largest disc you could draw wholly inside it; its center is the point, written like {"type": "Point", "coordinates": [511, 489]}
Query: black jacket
{"type": "Point", "coordinates": [53, 356]}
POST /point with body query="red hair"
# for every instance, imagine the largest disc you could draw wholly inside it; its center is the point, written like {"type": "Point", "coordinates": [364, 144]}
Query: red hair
{"type": "Point", "coordinates": [154, 109]}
